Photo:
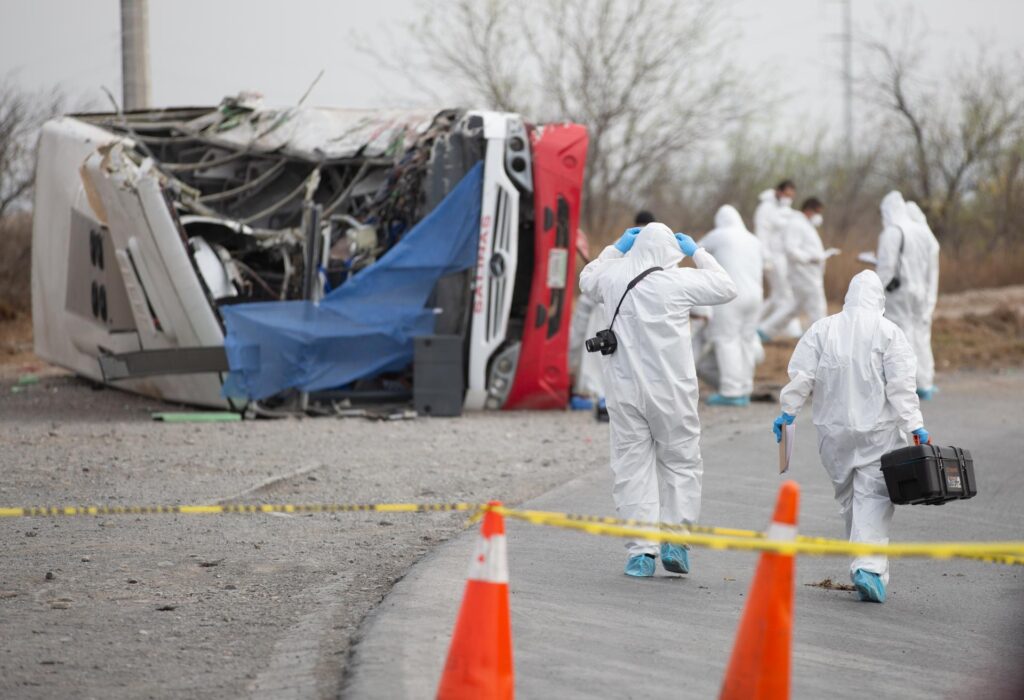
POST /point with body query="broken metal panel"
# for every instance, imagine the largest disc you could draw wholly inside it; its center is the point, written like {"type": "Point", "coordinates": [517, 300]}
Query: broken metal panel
{"type": "Point", "coordinates": [174, 310]}
{"type": "Point", "coordinates": [148, 363]}
{"type": "Point", "coordinates": [61, 335]}
{"type": "Point", "coordinates": [140, 222]}
{"type": "Point", "coordinates": [311, 133]}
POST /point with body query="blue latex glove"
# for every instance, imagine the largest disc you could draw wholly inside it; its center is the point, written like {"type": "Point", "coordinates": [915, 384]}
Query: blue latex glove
{"type": "Point", "coordinates": [784, 418]}
{"type": "Point", "coordinates": [627, 240]}
{"type": "Point", "coordinates": [922, 435]}
{"type": "Point", "coordinates": [686, 244]}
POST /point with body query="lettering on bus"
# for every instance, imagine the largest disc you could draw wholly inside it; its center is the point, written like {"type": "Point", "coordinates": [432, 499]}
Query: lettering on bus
{"type": "Point", "coordinates": [481, 259]}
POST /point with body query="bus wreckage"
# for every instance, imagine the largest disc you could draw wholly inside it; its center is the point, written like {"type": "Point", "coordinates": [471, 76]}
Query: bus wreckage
{"type": "Point", "coordinates": [300, 258]}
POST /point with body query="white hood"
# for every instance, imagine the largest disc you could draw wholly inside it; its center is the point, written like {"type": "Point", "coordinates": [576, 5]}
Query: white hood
{"type": "Point", "coordinates": [865, 293]}
{"type": "Point", "coordinates": [915, 213]}
{"type": "Point", "coordinates": [655, 246]}
{"type": "Point", "coordinates": [894, 210]}
{"type": "Point", "coordinates": [728, 217]}
{"type": "Point", "coordinates": [766, 195]}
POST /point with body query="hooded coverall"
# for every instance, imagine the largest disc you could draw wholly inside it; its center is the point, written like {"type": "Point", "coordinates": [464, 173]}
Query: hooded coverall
{"type": "Point", "coordinates": [861, 370]}
{"type": "Point", "coordinates": [732, 328]}
{"type": "Point", "coordinates": [650, 381]}
{"type": "Point", "coordinates": [921, 340]}
{"type": "Point", "coordinates": [806, 260]}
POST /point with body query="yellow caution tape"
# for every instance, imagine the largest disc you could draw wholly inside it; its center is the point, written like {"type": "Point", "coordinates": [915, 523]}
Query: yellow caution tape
{"type": "Point", "coordinates": [240, 508]}
{"type": "Point", "coordinates": [695, 535]}
{"type": "Point", "coordinates": [710, 530]}
{"type": "Point", "coordinates": [997, 552]}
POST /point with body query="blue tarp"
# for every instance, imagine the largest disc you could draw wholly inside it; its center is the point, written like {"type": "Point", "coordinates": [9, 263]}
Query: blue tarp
{"type": "Point", "coordinates": [364, 327]}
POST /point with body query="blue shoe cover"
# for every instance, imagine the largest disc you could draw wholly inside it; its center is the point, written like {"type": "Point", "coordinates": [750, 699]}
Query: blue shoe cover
{"type": "Point", "coordinates": [640, 566]}
{"type": "Point", "coordinates": [765, 338]}
{"type": "Point", "coordinates": [928, 394]}
{"type": "Point", "coordinates": [869, 586]}
{"type": "Point", "coordinates": [580, 403]}
{"type": "Point", "coordinates": [719, 400]}
{"type": "Point", "coordinates": [675, 558]}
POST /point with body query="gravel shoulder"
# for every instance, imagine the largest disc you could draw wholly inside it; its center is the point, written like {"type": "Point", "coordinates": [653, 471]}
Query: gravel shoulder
{"type": "Point", "coordinates": [208, 606]}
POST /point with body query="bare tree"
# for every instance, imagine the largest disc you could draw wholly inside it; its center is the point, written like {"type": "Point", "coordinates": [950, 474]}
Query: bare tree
{"type": "Point", "coordinates": [647, 77]}
{"type": "Point", "coordinates": [953, 131]}
{"type": "Point", "coordinates": [21, 114]}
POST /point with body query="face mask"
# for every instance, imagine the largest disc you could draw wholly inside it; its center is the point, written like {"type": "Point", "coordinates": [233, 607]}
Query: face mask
{"type": "Point", "coordinates": [817, 220]}
{"type": "Point", "coordinates": [786, 201]}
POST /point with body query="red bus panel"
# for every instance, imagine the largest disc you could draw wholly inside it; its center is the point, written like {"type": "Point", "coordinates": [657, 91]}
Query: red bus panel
{"type": "Point", "coordinates": [542, 374]}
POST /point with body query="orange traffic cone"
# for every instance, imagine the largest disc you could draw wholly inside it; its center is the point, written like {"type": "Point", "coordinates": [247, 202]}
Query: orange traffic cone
{"type": "Point", "coordinates": [759, 667]}
{"type": "Point", "coordinates": [479, 662]}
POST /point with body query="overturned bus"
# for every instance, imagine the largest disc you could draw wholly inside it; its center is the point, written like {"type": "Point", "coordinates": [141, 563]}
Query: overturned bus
{"type": "Point", "coordinates": [241, 255]}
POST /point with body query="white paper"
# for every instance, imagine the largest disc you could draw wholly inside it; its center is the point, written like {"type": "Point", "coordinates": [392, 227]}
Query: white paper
{"type": "Point", "coordinates": [786, 447]}
{"type": "Point", "coordinates": [868, 257]}
{"type": "Point", "coordinates": [832, 252]}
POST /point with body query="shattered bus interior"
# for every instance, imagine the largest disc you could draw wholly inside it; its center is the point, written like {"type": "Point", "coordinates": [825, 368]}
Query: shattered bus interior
{"type": "Point", "coordinates": [156, 229]}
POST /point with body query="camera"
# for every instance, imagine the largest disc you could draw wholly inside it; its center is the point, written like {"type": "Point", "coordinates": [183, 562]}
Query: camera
{"type": "Point", "coordinates": [604, 342]}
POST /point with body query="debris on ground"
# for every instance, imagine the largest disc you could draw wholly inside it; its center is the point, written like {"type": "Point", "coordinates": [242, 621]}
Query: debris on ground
{"type": "Point", "coordinates": [829, 585]}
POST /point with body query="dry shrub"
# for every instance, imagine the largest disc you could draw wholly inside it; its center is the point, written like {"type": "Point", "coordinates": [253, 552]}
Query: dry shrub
{"type": "Point", "coordinates": [960, 267]}
{"type": "Point", "coordinates": [15, 265]}
{"type": "Point", "coordinates": [963, 270]}
{"type": "Point", "coordinates": [972, 341]}
{"type": "Point", "coordinates": [979, 341]}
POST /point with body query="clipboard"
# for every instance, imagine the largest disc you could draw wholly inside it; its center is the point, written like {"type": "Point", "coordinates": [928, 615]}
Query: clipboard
{"type": "Point", "coordinates": [786, 447]}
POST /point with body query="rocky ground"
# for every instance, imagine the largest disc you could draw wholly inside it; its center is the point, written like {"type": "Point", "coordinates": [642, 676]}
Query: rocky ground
{"type": "Point", "coordinates": [229, 605]}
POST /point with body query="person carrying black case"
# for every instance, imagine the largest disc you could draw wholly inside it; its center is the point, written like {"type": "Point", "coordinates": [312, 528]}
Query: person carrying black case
{"type": "Point", "coordinates": [861, 370]}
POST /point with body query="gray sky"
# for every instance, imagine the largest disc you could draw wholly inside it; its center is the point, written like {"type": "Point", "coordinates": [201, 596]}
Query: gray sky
{"type": "Point", "coordinates": [202, 50]}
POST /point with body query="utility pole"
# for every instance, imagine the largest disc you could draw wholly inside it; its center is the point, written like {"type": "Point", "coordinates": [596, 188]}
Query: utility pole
{"type": "Point", "coordinates": [848, 75]}
{"type": "Point", "coordinates": [134, 54]}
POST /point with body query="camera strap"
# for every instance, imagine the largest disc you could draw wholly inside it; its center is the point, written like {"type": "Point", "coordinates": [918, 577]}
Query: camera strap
{"type": "Point", "coordinates": [632, 283]}
{"type": "Point", "coordinates": [899, 260]}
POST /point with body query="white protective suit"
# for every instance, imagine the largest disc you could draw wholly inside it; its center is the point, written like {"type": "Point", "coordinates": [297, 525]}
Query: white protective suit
{"type": "Point", "coordinates": [921, 340]}
{"type": "Point", "coordinates": [587, 319]}
{"type": "Point", "coordinates": [650, 381]}
{"type": "Point", "coordinates": [806, 260]}
{"type": "Point", "coordinates": [860, 368]}
{"type": "Point", "coordinates": [733, 326]}
{"type": "Point", "coordinates": [770, 219]}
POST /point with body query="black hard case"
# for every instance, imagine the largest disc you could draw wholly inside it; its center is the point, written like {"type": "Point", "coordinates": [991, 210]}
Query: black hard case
{"type": "Point", "coordinates": [929, 474]}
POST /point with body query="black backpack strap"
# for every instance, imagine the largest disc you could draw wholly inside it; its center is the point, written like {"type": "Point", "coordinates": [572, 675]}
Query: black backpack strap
{"type": "Point", "coordinates": [632, 283]}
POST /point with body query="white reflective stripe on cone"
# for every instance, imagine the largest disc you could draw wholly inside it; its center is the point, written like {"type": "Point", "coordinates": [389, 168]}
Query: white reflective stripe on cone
{"type": "Point", "coordinates": [780, 532]}
{"type": "Point", "coordinates": [490, 560]}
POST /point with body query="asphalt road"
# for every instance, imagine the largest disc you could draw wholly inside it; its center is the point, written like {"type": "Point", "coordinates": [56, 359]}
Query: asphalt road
{"type": "Point", "coordinates": [581, 629]}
